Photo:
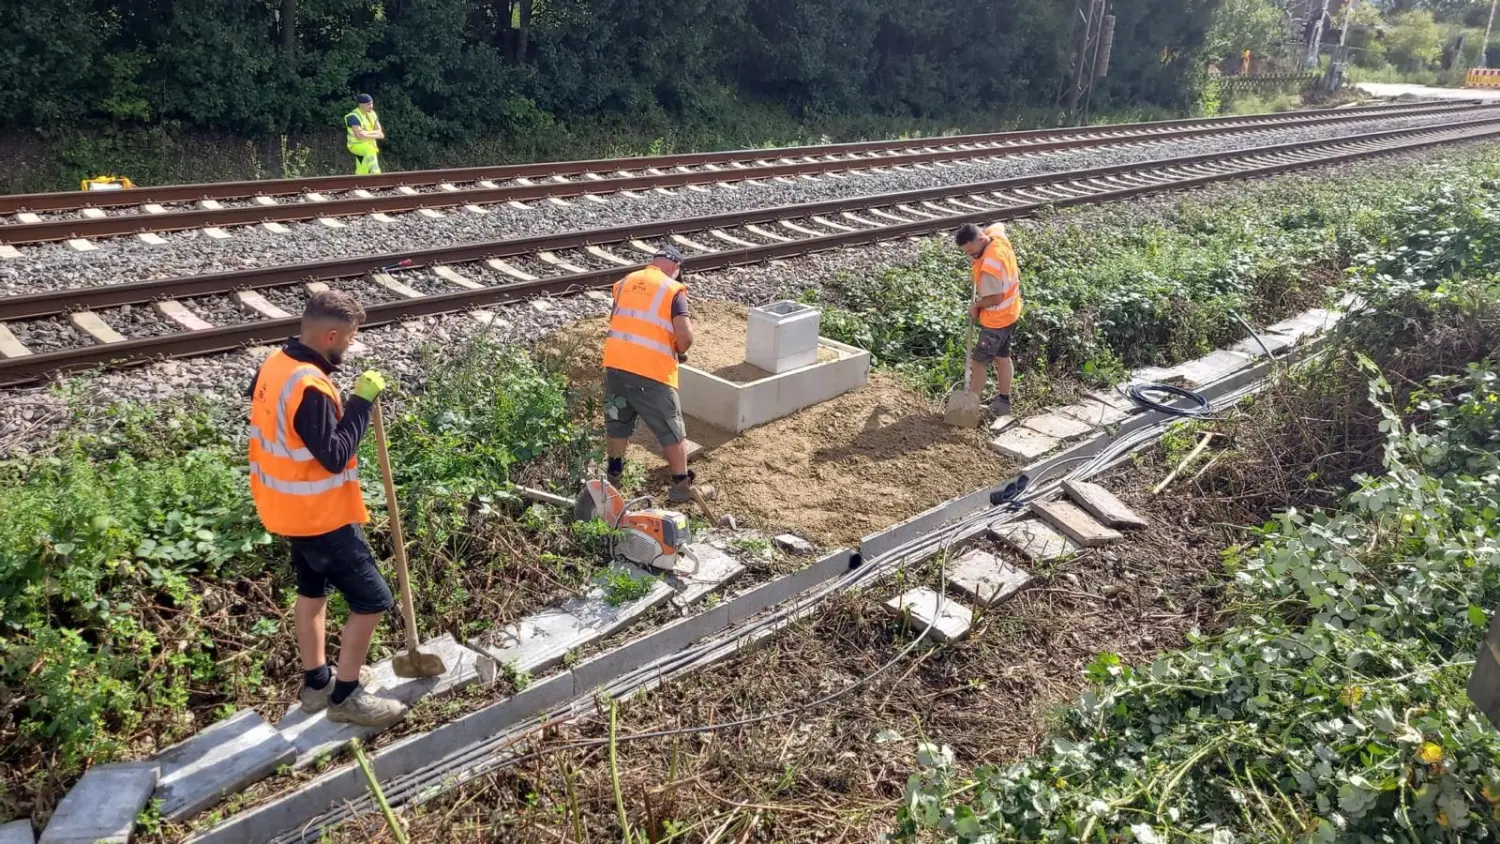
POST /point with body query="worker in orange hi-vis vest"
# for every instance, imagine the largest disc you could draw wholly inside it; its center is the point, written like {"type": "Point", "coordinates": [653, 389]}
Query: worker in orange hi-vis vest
{"type": "Point", "coordinates": [996, 307]}
{"type": "Point", "coordinates": [649, 334]}
{"type": "Point", "coordinates": [305, 481]}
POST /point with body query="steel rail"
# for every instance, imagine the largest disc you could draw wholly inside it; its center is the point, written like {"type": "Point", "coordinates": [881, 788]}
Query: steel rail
{"type": "Point", "coordinates": [57, 302]}
{"type": "Point", "coordinates": [1015, 141]}
{"type": "Point", "coordinates": [227, 338]}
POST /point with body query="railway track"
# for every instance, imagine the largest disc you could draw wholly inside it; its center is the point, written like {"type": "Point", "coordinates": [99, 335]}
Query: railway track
{"type": "Point", "coordinates": [80, 218]}
{"type": "Point", "coordinates": [442, 280]}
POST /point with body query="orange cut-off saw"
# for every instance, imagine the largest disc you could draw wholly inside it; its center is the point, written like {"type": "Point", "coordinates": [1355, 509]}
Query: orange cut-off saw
{"type": "Point", "coordinates": [648, 536]}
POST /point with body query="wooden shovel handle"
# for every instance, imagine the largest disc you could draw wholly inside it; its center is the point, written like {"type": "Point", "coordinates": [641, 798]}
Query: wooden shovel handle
{"type": "Point", "coordinates": [403, 579]}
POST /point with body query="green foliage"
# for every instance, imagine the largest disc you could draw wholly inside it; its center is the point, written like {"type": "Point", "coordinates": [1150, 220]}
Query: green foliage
{"type": "Point", "coordinates": [1333, 707]}
{"type": "Point", "coordinates": [1240, 25]}
{"type": "Point", "coordinates": [620, 587]}
{"type": "Point", "coordinates": [1412, 40]}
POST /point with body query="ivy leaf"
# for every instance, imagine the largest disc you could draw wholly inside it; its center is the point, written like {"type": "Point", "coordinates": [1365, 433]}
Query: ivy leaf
{"type": "Point", "coordinates": [1477, 617]}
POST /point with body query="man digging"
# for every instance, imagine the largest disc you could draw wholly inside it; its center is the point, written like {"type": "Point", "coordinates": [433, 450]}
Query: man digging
{"type": "Point", "coordinates": [996, 307]}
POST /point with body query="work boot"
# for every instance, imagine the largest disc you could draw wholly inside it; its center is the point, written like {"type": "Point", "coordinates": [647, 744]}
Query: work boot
{"type": "Point", "coordinates": [367, 710]}
{"type": "Point", "coordinates": [999, 406]}
{"type": "Point", "coordinates": [682, 492]}
{"type": "Point", "coordinates": [316, 700]}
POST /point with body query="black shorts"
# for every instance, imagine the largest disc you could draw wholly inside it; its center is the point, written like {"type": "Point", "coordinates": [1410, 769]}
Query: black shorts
{"type": "Point", "coordinates": [341, 560]}
{"type": "Point", "coordinates": [993, 343]}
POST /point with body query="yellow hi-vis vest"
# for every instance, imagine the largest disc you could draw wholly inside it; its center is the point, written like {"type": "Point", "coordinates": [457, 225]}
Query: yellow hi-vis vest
{"type": "Point", "coordinates": [367, 123]}
{"type": "Point", "coordinates": [294, 494]}
{"type": "Point", "coordinates": [999, 260]}
{"type": "Point", "coordinates": [641, 338]}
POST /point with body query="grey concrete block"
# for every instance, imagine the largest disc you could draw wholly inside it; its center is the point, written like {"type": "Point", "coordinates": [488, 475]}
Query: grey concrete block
{"type": "Point", "coordinates": [1057, 425]}
{"type": "Point", "coordinates": [1277, 343]}
{"type": "Point", "coordinates": [626, 659]}
{"type": "Point", "coordinates": [1075, 523]}
{"type": "Point", "coordinates": [1304, 325]}
{"type": "Point", "coordinates": [948, 618]}
{"type": "Point", "coordinates": [284, 814]}
{"type": "Point", "coordinates": [715, 568]}
{"type": "Point", "coordinates": [1035, 540]}
{"type": "Point", "coordinates": [1022, 443]}
{"type": "Point", "coordinates": [17, 832]}
{"type": "Point", "coordinates": [1211, 367]}
{"type": "Point", "coordinates": [1111, 398]}
{"type": "Point", "coordinates": [221, 760]}
{"type": "Point", "coordinates": [102, 807]}
{"type": "Point", "coordinates": [787, 587]}
{"type": "Point", "coordinates": [736, 406]}
{"type": "Point", "coordinates": [985, 578]}
{"type": "Point", "coordinates": [793, 544]}
{"type": "Point", "coordinates": [1096, 413]}
{"type": "Point", "coordinates": [314, 736]}
{"type": "Point", "coordinates": [1103, 505]}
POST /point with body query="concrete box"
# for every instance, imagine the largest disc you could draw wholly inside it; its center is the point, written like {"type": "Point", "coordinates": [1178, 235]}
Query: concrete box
{"type": "Point", "coordinates": [737, 407]}
{"type": "Point", "coordinates": [782, 336]}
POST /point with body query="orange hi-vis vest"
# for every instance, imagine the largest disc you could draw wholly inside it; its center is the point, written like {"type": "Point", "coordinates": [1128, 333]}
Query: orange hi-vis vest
{"type": "Point", "coordinates": [641, 338]}
{"type": "Point", "coordinates": [294, 494]}
{"type": "Point", "coordinates": [999, 260]}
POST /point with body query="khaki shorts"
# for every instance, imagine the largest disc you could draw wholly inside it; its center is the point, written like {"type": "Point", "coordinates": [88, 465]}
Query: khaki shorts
{"type": "Point", "coordinates": [628, 396]}
{"type": "Point", "coordinates": [993, 343]}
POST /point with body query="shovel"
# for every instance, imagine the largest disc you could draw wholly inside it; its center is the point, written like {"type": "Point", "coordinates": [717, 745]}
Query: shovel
{"type": "Point", "coordinates": [413, 663]}
{"type": "Point", "coordinates": [963, 406]}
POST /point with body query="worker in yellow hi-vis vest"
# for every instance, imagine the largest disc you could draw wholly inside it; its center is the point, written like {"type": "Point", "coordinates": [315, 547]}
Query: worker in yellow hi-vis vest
{"type": "Point", "coordinates": [364, 130]}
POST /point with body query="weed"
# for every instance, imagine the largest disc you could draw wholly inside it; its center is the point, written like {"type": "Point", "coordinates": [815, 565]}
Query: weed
{"type": "Point", "coordinates": [622, 588]}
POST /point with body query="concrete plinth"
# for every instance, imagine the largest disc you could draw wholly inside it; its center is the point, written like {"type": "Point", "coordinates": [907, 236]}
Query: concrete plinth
{"type": "Point", "coordinates": [102, 807]}
{"type": "Point", "coordinates": [736, 407]}
{"type": "Point", "coordinates": [782, 336]}
{"type": "Point", "coordinates": [217, 762]}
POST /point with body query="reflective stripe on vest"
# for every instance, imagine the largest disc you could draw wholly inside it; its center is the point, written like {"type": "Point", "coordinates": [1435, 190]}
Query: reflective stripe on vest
{"type": "Point", "coordinates": [641, 337]}
{"type": "Point", "coordinates": [294, 494]}
{"type": "Point", "coordinates": [993, 262]}
{"type": "Point", "coordinates": [366, 122]}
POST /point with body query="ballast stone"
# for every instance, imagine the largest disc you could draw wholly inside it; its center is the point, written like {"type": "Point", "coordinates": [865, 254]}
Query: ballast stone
{"type": "Point", "coordinates": [224, 759]}
{"type": "Point", "coordinates": [102, 807]}
{"type": "Point", "coordinates": [948, 619]}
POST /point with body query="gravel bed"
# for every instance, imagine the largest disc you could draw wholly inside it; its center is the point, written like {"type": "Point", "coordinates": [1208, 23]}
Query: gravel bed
{"type": "Point", "coordinates": [53, 266]}
{"type": "Point", "coordinates": [47, 335]}
{"type": "Point", "coordinates": [219, 310]}
{"type": "Point", "coordinates": [137, 321]}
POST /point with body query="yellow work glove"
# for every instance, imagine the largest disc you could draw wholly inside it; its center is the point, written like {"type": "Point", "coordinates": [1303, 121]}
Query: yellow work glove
{"type": "Point", "coordinates": [369, 385]}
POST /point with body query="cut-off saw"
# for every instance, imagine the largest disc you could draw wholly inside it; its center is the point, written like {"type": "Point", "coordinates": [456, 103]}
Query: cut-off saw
{"type": "Point", "coordinates": [647, 536]}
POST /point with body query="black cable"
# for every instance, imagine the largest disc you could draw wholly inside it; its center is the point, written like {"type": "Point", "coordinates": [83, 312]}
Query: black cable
{"type": "Point", "coordinates": [1137, 393]}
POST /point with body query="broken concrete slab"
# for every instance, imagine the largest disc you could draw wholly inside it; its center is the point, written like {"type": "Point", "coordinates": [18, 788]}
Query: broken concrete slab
{"type": "Point", "coordinates": [984, 577]}
{"type": "Point", "coordinates": [793, 544]}
{"type": "Point", "coordinates": [1096, 413]}
{"type": "Point", "coordinates": [541, 640]}
{"type": "Point", "coordinates": [17, 832]}
{"type": "Point", "coordinates": [1276, 343]}
{"type": "Point", "coordinates": [102, 807]}
{"type": "Point", "coordinates": [1103, 505]}
{"type": "Point", "coordinates": [1211, 367]}
{"type": "Point", "coordinates": [1058, 425]}
{"type": "Point", "coordinates": [1036, 540]}
{"type": "Point", "coordinates": [1022, 443]}
{"type": "Point", "coordinates": [948, 619]}
{"type": "Point", "coordinates": [715, 568]}
{"type": "Point", "coordinates": [1112, 398]}
{"type": "Point", "coordinates": [1000, 423]}
{"type": "Point", "coordinates": [1075, 523]}
{"type": "Point", "coordinates": [314, 736]}
{"type": "Point", "coordinates": [1304, 325]}
{"type": "Point", "coordinates": [221, 760]}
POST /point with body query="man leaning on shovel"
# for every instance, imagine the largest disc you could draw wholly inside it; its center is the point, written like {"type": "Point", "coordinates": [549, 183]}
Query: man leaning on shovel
{"type": "Point", "coordinates": [996, 307]}
{"type": "Point", "coordinates": [305, 481]}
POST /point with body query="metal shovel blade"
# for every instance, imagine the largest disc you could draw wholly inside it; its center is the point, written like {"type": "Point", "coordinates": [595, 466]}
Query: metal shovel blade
{"type": "Point", "coordinates": [963, 410]}
{"type": "Point", "coordinates": [417, 664]}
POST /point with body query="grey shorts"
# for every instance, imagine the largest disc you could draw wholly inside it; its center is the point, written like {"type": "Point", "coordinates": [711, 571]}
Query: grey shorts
{"type": "Point", "coordinates": [628, 396]}
{"type": "Point", "coordinates": [993, 343]}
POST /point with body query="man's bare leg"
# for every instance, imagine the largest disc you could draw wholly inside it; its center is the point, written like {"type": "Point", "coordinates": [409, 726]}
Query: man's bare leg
{"type": "Point", "coordinates": [354, 644]}
{"type": "Point", "coordinates": [1005, 371]}
{"type": "Point", "coordinates": [311, 616]}
{"type": "Point", "coordinates": [676, 455]}
{"type": "Point", "coordinates": [976, 377]}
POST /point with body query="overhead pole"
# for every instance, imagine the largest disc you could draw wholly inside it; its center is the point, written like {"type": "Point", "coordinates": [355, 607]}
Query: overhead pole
{"type": "Point", "coordinates": [1484, 48]}
{"type": "Point", "coordinates": [1315, 33]}
{"type": "Point", "coordinates": [1085, 55]}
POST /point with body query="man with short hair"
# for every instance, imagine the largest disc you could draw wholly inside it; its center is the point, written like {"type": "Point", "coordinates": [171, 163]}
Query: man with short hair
{"type": "Point", "coordinates": [305, 481]}
{"type": "Point", "coordinates": [996, 307]}
{"type": "Point", "coordinates": [649, 333]}
{"type": "Point", "coordinates": [364, 129]}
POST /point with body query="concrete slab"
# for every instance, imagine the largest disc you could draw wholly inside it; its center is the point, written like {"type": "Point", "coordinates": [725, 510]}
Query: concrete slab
{"type": "Point", "coordinates": [984, 577]}
{"type": "Point", "coordinates": [793, 544]}
{"type": "Point", "coordinates": [1036, 540]}
{"type": "Point", "coordinates": [1211, 367]}
{"type": "Point", "coordinates": [1057, 425]}
{"type": "Point", "coordinates": [948, 618]}
{"type": "Point", "coordinates": [540, 641]}
{"type": "Point", "coordinates": [1075, 523]}
{"type": "Point", "coordinates": [221, 760]}
{"type": "Point", "coordinates": [1022, 443]}
{"type": "Point", "coordinates": [715, 568]}
{"type": "Point", "coordinates": [1103, 505]}
{"type": "Point", "coordinates": [1112, 398]}
{"type": "Point", "coordinates": [1304, 325]}
{"type": "Point", "coordinates": [1001, 423]}
{"type": "Point", "coordinates": [314, 736]}
{"type": "Point", "coordinates": [17, 832]}
{"type": "Point", "coordinates": [1096, 413]}
{"type": "Point", "coordinates": [102, 807]}
{"type": "Point", "coordinates": [1275, 342]}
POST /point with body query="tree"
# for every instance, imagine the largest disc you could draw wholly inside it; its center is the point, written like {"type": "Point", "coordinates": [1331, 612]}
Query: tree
{"type": "Point", "coordinates": [1241, 25]}
{"type": "Point", "coordinates": [1413, 40]}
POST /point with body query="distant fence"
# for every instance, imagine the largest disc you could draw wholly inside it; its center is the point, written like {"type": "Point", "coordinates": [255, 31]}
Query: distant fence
{"type": "Point", "coordinates": [1482, 77]}
{"type": "Point", "coordinates": [1263, 82]}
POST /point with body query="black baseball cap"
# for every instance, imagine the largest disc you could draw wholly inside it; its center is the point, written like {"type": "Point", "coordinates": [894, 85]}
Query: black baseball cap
{"type": "Point", "coordinates": [366, 98]}
{"type": "Point", "coordinates": [670, 253]}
